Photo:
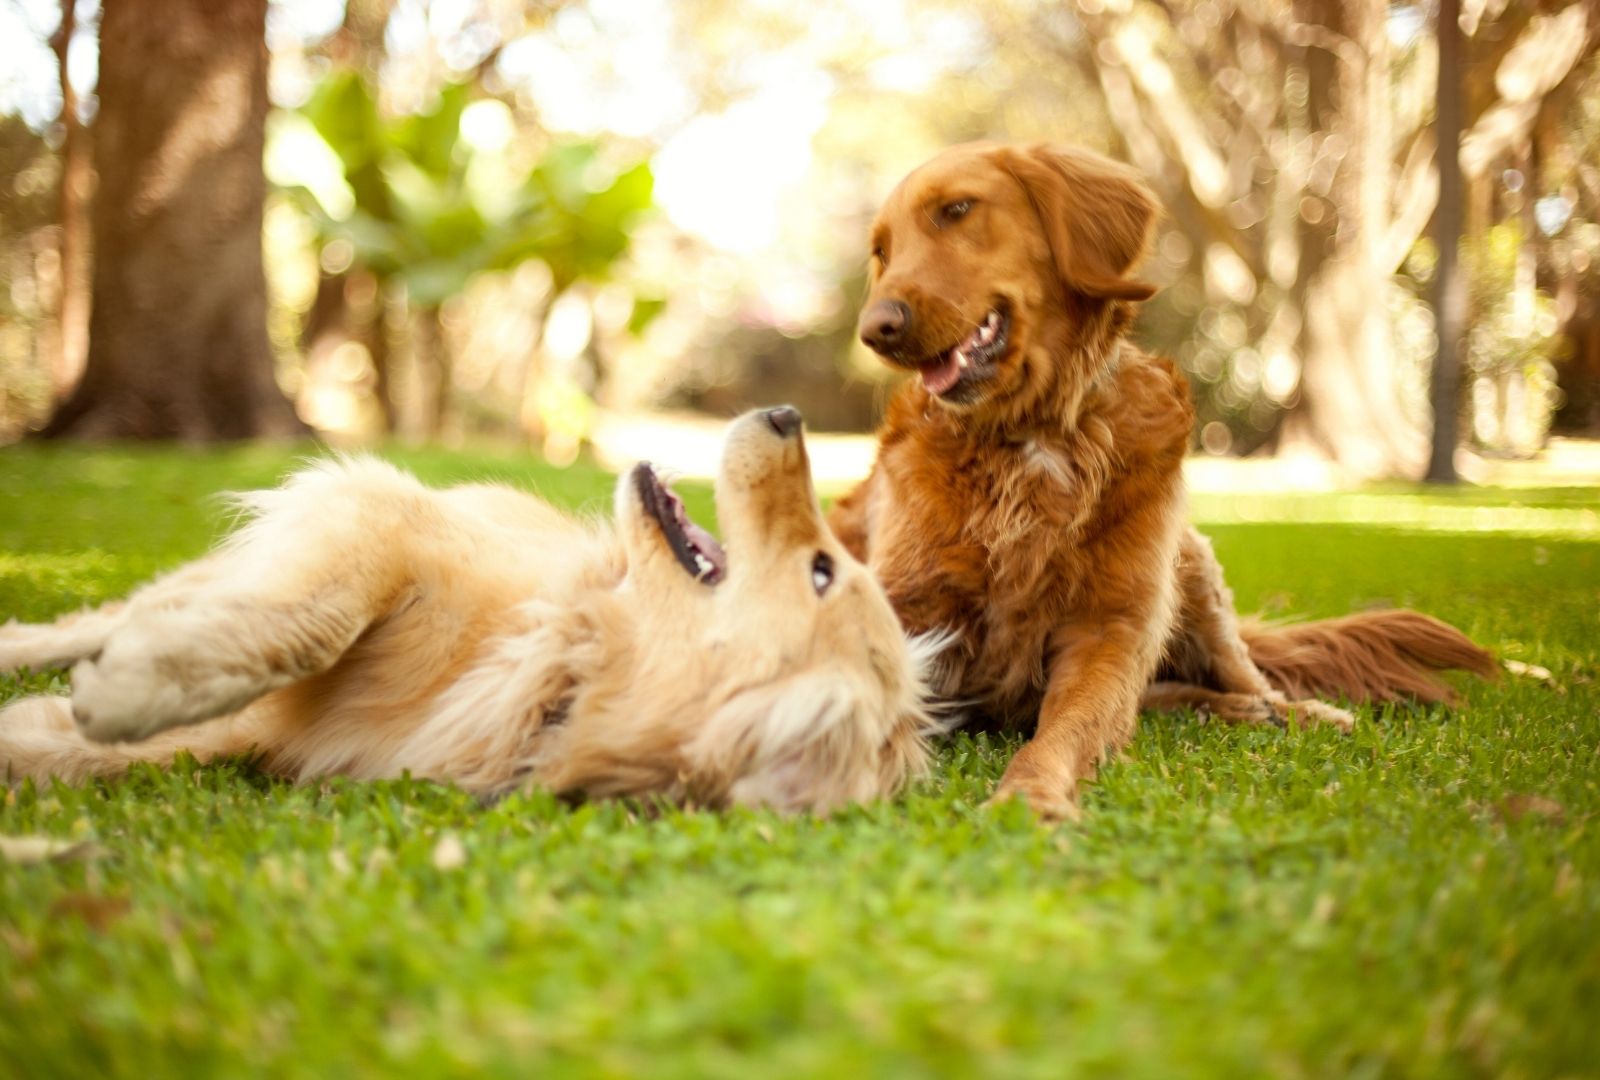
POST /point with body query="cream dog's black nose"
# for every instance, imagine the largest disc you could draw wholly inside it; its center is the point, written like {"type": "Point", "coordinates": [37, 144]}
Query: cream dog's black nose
{"type": "Point", "coordinates": [785, 420]}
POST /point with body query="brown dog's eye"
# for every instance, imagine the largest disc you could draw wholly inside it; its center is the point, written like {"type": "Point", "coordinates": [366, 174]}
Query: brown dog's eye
{"type": "Point", "coordinates": [822, 572]}
{"type": "Point", "coordinates": [957, 210]}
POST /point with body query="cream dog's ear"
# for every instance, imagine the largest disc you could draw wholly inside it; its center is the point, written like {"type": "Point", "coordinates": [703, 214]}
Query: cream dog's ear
{"type": "Point", "coordinates": [817, 740]}
{"type": "Point", "coordinates": [1096, 213]}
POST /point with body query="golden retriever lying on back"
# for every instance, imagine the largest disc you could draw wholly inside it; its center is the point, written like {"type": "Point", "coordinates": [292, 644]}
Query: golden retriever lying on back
{"type": "Point", "coordinates": [363, 625]}
{"type": "Point", "coordinates": [1028, 493]}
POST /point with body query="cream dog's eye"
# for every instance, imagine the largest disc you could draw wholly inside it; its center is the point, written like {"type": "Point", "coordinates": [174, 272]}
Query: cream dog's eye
{"type": "Point", "coordinates": [822, 572]}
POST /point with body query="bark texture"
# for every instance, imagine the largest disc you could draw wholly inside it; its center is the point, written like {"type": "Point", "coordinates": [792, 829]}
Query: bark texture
{"type": "Point", "coordinates": [1450, 294]}
{"type": "Point", "coordinates": [72, 312]}
{"type": "Point", "coordinates": [178, 342]}
{"type": "Point", "coordinates": [1350, 408]}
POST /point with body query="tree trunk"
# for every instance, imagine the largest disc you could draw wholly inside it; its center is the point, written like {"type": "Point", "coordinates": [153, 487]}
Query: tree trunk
{"type": "Point", "coordinates": [177, 337]}
{"type": "Point", "coordinates": [377, 338]}
{"type": "Point", "coordinates": [430, 375]}
{"type": "Point", "coordinates": [1449, 286]}
{"type": "Point", "coordinates": [1350, 408]}
{"type": "Point", "coordinates": [72, 312]}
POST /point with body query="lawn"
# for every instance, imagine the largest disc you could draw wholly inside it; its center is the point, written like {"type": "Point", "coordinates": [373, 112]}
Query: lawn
{"type": "Point", "coordinates": [1419, 898]}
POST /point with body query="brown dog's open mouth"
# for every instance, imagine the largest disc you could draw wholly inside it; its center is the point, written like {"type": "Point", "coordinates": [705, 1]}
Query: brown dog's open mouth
{"type": "Point", "coordinates": [696, 550]}
{"type": "Point", "coordinates": [971, 357]}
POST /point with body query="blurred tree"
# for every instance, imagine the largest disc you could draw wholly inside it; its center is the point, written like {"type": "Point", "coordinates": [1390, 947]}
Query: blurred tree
{"type": "Point", "coordinates": [1570, 155]}
{"type": "Point", "coordinates": [357, 44]}
{"type": "Point", "coordinates": [177, 340]}
{"type": "Point", "coordinates": [429, 211]}
{"type": "Point", "coordinates": [27, 214]}
{"type": "Point", "coordinates": [1449, 290]}
{"type": "Point", "coordinates": [72, 308]}
{"type": "Point", "coordinates": [1295, 153]}
{"type": "Point", "coordinates": [1528, 246]}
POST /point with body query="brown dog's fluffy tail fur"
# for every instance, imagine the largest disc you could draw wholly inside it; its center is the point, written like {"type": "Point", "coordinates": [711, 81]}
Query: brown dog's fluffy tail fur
{"type": "Point", "coordinates": [1371, 657]}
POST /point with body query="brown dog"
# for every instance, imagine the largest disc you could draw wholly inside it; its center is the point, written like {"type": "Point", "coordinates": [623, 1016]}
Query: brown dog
{"type": "Point", "coordinates": [1028, 492]}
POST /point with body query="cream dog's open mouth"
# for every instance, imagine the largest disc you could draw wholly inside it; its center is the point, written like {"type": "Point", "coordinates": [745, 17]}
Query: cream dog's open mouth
{"type": "Point", "coordinates": [971, 358]}
{"type": "Point", "coordinates": [696, 550]}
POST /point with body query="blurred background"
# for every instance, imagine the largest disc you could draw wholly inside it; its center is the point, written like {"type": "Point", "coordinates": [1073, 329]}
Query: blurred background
{"type": "Point", "coordinates": [579, 226]}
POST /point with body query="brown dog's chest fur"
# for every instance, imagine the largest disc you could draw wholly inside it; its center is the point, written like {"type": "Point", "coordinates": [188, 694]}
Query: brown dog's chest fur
{"type": "Point", "coordinates": [1007, 540]}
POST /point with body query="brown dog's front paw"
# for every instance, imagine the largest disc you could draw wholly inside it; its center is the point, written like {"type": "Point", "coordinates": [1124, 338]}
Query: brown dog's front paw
{"type": "Point", "coordinates": [1052, 798]}
{"type": "Point", "coordinates": [1050, 807]}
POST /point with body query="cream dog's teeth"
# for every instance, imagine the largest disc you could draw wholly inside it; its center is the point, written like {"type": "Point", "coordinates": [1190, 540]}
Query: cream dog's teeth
{"type": "Point", "coordinates": [703, 563]}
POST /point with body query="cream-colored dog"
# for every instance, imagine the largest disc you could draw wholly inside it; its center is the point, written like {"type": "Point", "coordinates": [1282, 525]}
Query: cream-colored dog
{"type": "Point", "coordinates": [363, 625]}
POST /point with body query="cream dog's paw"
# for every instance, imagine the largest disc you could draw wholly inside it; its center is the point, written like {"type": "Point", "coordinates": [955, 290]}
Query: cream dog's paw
{"type": "Point", "coordinates": [118, 701]}
{"type": "Point", "coordinates": [153, 674]}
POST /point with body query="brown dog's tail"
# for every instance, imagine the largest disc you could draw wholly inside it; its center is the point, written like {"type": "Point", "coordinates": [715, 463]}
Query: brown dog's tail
{"type": "Point", "coordinates": [1371, 657]}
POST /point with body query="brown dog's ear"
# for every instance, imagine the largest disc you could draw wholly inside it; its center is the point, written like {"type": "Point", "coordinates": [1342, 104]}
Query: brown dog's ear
{"type": "Point", "coordinates": [1097, 215]}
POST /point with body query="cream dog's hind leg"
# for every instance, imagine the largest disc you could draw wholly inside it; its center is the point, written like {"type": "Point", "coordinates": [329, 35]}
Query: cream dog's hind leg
{"type": "Point", "coordinates": [40, 739]}
{"type": "Point", "coordinates": [283, 599]}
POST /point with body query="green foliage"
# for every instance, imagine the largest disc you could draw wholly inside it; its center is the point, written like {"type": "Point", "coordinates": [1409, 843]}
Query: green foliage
{"type": "Point", "coordinates": [431, 210]}
{"type": "Point", "coordinates": [1237, 902]}
{"type": "Point", "coordinates": [1503, 337]}
{"type": "Point", "coordinates": [576, 226]}
{"type": "Point", "coordinates": [29, 201]}
{"type": "Point", "coordinates": [1514, 338]}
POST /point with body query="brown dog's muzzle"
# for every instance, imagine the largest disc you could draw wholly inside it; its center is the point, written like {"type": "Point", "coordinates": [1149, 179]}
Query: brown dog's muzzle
{"type": "Point", "coordinates": [885, 326]}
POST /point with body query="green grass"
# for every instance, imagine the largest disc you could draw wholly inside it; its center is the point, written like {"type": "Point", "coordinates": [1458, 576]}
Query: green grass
{"type": "Point", "coordinates": [1235, 903]}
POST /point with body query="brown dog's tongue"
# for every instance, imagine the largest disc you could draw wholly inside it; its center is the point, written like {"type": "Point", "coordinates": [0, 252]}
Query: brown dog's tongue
{"type": "Point", "coordinates": [941, 376]}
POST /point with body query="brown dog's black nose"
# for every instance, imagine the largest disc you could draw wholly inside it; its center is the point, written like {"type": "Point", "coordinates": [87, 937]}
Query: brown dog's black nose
{"type": "Point", "coordinates": [885, 325]}
{"type": "Point", "coordinates": [785, 420]}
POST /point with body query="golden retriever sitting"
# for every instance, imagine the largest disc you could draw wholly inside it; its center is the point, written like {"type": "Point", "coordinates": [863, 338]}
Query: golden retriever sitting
{"type": "Point", "coordinates": [1028, 493]}
{"type": "Point", "coordinates": [363, 625]}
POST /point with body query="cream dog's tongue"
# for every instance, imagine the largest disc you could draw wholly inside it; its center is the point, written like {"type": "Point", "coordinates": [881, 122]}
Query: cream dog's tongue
{"type": "Point", "coordinates": [710, 557]}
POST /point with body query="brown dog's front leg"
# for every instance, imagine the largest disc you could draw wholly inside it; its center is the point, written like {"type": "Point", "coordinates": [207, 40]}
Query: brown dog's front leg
{"type": "Point", "coordinates": [1090, 709]}
{"type": "Point", "coordinates": [848, 518]}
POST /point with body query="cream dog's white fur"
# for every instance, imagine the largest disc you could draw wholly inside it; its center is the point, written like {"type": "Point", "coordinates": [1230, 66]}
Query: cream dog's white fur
{"type": "Point", "coordinates": [361, 624]}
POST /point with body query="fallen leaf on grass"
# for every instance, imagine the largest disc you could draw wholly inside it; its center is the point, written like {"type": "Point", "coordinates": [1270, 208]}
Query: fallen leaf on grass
{"type": "Point", "coordinates": [23, 949]}
{"type": "Point", "coordinates": [1324, 907]}
{"type": "Point", "coordinates": [97, 912]}
{"type": "Point", "coordinates": [1528, 671]}
{"type": "Point", "coordinates": [30, 850]}
{"type": "Point", "coordinates": [1517, 807]}
{"type": "Point", "coordinates": [448, 853]}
